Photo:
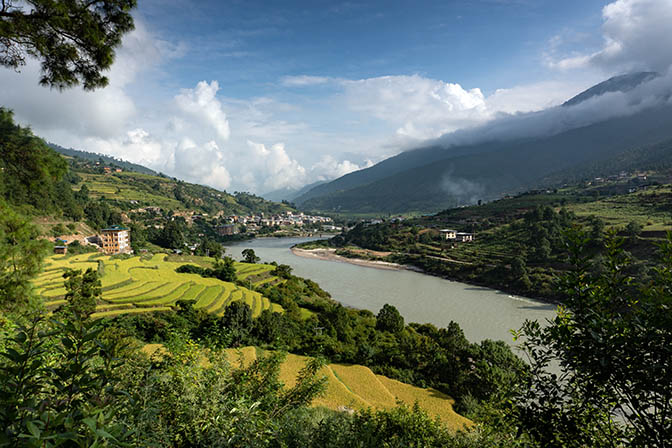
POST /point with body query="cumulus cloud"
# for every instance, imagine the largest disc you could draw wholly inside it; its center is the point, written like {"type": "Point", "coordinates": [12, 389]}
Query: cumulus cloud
{"type": "Point", "coordinates": [636, 37]}
{"type": "Point", "coordinates": [204, 163]}
{"type": "Point", "coordinates": [419, 107]}
{"type": "Point", "coordinates": [330, 167]}
{"type": "Point", "coordinates": [202, 104]}
{"type": "Point", "coordinates": [275, 167]}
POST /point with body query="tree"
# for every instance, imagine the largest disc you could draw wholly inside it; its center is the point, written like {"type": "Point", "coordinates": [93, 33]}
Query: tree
{"type": "Point", "coordinates": [612, 343]}
{"type": "Point", "coordinates": [283, 271]}
{"type": "Point", "coordinates": [21, 257]}
{"type": "Point", "coordinates": [238, 320]}
{"type": "Point", "coordinates": [224, 269]}
{"type": "Point", "coordinates": [250, 256]}
{"type": "Point", "coordinates": [633, 229]}
{"type": "Point", "coordinates": [519, 272]}
{"type": "Point", "coordinates": [210, 248]}
{"type": "Point", "coordinates": [83, 290]}
{"type": "Point", "coordinates": [172, 235]}
{"type": "Point", "coordinates": [596, 229]}
{"type": "Point", "coordinates": [542, 251]}
{"type": "Point", "coordinates": [29, 169]}
{"type": "Point", "coordinates": [389, 319]}
{"type": "Point", "coordinates": [74, 39]}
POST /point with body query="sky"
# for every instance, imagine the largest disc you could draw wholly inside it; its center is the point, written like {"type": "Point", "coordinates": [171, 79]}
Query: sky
{"type": "Point", "coordinates": [248, 95]}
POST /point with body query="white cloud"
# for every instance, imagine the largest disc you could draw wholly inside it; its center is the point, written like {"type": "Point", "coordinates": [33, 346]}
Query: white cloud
{"type": "Point", "coordinates": [636, 36]}
{"type": "Point", "coordinates": [274, 166]}
{"type": "Point", "coordinates": [534, 97]}
{"type": "Point", "coordinates": [204, 163]}
{"type": "Point", "coordinates": [331, 168]}
{"type": "Point", "coordinates": [303, 80]}
{"type": "Point", "coordinates": [202, 104]}
{"type": "Point", "coordinates": [418, 107]}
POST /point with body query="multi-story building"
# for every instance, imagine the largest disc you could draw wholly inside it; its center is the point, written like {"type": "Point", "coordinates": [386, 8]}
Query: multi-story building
{"type": "Point", "coordinates": [116, 240]}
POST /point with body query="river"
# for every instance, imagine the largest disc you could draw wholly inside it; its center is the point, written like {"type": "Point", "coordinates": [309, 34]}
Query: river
{"type": "Point", "coordinates": [482, 313]}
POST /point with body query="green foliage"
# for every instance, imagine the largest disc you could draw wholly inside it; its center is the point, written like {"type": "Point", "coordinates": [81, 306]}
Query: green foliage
{"type": "Point", "coordinates": [58, 230]}
{"type": "Point", "coordinates": [31, 174]}
{"type": "Point", "coordinates": [83, 291]}
{"type": "Point", "coordinates": [172, 235]}
{"type": "Point", "coordinates": [389, 319]}
{"type": "Point", "coordinates": [249, 256]}
{"type": "Point", "coordinates": [210, 248]}
{"type": "Point", "coordinates": [74, 40]}
{"type": "Point", "coordinates": [396, 428]}
{"type": "Point", "coordinates": [76, 248]}
{"type": "Point", "coordinates": [237, 319]}
{"type": "Point", "coordinates": [21, 258]}
{"type": "Point", "coordinates": [99, 214]}
{"type": "Point", "coordinates": [184, 404]}
{"type": "Point", "coordinates": [224, 269]}
{"type": "Point", "coordinates": [58, 387]}
{"type": "Point", "coordinates": [633, 229]}
{"type": "Point", "coordinates": [612, 342]}
{"type": "Point", "coordinates": [283, 271]}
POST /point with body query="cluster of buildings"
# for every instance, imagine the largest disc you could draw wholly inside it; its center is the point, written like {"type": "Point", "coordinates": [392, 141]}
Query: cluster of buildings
{"type": "Point", "coordinates": [253, 223]}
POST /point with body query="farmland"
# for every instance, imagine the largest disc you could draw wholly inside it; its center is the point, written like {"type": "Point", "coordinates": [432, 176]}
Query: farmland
{"type": "Point", "coordinates": [145, 284]}
{"type": "Point", "coordinates": [357, 387]}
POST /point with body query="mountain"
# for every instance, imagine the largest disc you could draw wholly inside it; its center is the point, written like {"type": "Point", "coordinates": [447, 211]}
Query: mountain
{"type": "Point", "coordinates": [434, 178]}
{"type": "Point", "coordinates": [289, 194]}
{"type": "Point", "coordinates": [623, 83]}
{"type": "Point", "coordinates": [107, 160]}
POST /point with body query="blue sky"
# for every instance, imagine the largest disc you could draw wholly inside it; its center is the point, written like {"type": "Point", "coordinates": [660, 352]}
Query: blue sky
{"type": "Point", "coordinates": [249, 45]}
{"type": "Point", "coordinates": [259, 95]}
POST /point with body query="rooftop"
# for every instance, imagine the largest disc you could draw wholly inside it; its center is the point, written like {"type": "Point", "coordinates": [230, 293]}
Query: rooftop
{"type": "Point", "coordinates": [115, 228]}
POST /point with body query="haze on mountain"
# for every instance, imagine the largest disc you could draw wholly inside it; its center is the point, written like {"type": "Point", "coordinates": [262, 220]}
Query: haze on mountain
{"type": "Point", "coordinates": [510, 154]}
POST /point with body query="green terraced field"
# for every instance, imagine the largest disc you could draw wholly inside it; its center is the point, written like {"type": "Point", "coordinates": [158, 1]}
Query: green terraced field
{"type": "Point", "coordinates": [140, 285]}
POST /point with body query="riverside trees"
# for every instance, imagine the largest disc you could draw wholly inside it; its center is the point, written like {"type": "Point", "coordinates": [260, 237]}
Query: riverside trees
{"type": "Point", "coordinates": [612, 341]}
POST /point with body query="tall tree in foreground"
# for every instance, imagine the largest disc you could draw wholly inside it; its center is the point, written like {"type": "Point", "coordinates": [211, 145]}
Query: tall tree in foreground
{"type": "Point", "coordinates": [74, 39]}
{"type": "Point", "coordinates": [21, 258]}
{"type": "Point", "coordinates": [612, 346]}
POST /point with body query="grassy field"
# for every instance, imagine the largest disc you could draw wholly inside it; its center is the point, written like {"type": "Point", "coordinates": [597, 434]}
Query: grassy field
{"type": "Point", "coordinates": [140, 284]}
{"type": "Point", "coordinates": [650, 208]}
{"type": "Point", "coordinates": [357, 387]}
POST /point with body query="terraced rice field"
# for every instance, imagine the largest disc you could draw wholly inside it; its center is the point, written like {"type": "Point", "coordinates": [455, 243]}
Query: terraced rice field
{"type": "Point", "coordinates": [139, 285]}
{"type": "Point", "coordinates": [357, 387]}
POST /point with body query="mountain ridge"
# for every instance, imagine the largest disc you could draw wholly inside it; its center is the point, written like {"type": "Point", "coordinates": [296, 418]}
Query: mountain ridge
{"type": "Point", "coordinates": [432, 178]}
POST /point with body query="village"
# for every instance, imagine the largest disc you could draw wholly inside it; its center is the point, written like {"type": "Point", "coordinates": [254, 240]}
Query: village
{"type": "Point", "coordinates": [235, 224]}
{"type": "Point", "coordinates": [116, 239]}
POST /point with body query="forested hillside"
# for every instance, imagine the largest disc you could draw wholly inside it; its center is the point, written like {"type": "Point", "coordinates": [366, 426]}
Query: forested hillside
{"type": "Point", "coordinates": [38, 180]}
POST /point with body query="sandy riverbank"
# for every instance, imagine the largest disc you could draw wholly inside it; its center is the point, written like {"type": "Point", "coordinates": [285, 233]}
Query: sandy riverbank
{"type": "Point", "coordinates": [330, 255]}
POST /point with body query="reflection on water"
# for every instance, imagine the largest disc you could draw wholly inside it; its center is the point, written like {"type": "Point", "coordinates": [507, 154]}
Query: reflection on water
{"type": "Point", "coordinates": [481, 312]}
